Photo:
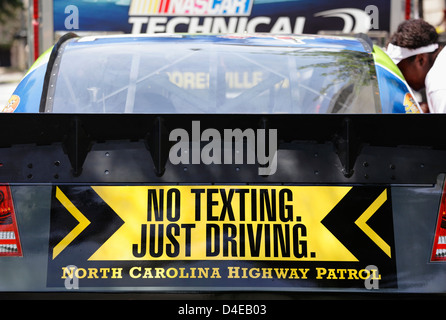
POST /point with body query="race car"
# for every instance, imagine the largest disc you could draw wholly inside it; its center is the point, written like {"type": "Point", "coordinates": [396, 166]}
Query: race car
{"type": "Point", "coordinates": [220, 164]}
{"type": "Point", "coordinates": [214, 74]}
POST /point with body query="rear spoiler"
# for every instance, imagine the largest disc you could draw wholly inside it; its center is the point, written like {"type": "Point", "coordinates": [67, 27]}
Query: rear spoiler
{"type": "Point", "coordinates": [134, 148]}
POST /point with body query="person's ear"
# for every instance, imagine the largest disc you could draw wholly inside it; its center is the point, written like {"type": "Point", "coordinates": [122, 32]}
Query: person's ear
{"type": "Point", "coordinates": [421, 60]}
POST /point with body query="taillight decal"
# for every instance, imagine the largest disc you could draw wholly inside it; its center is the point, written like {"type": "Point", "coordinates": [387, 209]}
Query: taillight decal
{"type": "Point", "coordinates": [439, 246]}
{"type": "Point", "coordinates": [9, 233]}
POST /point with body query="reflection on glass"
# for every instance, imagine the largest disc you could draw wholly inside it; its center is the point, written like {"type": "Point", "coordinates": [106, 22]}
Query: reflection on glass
{"type": "Point", "coordinates": [201, 77]}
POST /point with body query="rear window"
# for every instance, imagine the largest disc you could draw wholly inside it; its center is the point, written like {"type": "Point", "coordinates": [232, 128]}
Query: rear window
{"type": "Point", "coordinates": [205, 77]}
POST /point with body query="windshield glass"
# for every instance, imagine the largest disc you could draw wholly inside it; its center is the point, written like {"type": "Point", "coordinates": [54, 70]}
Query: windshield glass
{"type": "Point", "coordinates": [209, 77]}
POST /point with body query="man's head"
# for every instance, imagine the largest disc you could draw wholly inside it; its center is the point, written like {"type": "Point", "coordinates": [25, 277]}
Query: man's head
{"type": "Point", "coordinates": [413, 47]}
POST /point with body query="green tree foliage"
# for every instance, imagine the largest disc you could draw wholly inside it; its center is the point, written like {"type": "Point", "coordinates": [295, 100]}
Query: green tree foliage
{"type": "Point", "coordinates": [8, 7]}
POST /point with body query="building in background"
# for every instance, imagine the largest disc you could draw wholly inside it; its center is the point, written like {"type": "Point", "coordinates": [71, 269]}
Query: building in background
{"type": "Point", "coordinates": [13, 37]}
{"type": "Point", "coordinates": [33, 29]}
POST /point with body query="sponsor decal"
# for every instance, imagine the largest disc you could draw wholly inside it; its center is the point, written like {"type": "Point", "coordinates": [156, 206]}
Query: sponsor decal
{"type": "Point", "coordinates": [191, 7]}
{"type": "Point", "coordinates": [12, 105]}
{"type": "Point", "coordinates": [221, 16]}
{"type": "Point", "coordinates": [221, 236]}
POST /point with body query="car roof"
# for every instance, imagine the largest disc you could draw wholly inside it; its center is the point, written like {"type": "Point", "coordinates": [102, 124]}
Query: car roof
{"type": "Point", "coordinates": [317, 42]}
{"type": "Point", "coordinates": [310, 43]}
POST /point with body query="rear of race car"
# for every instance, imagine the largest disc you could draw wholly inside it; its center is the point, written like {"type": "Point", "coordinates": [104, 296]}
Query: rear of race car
{"type": "Point", "coordinates": [216, 170]}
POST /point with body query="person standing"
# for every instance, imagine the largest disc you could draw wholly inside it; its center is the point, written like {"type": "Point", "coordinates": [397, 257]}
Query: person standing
{"type": "Point", "coordinates": [414, 48]}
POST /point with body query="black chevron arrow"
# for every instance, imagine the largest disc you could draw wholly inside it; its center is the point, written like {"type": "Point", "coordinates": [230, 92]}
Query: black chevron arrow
{"type": "Point", "coordinates": [341, 223]}
{"type": "Point", "coordinates": [103, 223]}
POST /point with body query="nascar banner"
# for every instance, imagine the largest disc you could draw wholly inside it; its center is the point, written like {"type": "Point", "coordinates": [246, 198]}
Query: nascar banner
{"type": "Point", "coordinates": [228, 236]}
{"type": "Point", "coordinates": [221, 16]}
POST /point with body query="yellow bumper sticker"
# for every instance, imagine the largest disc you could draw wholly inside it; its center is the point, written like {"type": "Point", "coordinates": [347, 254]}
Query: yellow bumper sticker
{"type": "Point", "coordinates": [224, 223]}
{"type": "Point", "coordinates": [151, 235]}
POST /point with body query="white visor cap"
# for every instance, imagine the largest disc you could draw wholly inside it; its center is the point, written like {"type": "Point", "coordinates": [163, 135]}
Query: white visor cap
{"type": "Point", "coordinates": [399, 53]}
